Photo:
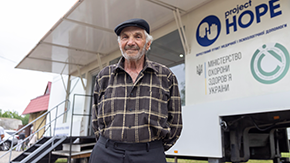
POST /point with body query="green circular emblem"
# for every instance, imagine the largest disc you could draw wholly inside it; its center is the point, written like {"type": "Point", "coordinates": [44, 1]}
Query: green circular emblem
{"type": "Point", "coordinates": [270, 63]}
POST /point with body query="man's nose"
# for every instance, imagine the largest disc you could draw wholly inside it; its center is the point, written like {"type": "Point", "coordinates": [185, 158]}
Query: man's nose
{"type": "Point", "coordinates": [131, 41]}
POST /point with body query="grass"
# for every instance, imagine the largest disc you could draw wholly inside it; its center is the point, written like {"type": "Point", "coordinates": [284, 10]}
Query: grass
{"type": "Point", "coordinates": [185, 160]}
{"type": "Point", "coordinates": [283, 155]}
{"type": "Point", "coordinates": [61, 160]}
{"type": "Point", "coordinates": [199, 161]}
{"type": "Point", "coordinates": [64, 160]}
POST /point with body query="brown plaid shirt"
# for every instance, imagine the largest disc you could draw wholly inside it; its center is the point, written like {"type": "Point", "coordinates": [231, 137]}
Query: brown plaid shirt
{"type": "Point", "coordinates": [144, 111]}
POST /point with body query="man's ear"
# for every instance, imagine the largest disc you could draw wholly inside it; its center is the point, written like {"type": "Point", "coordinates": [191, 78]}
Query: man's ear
{"type": "Point", "coordinates": [148, 45]}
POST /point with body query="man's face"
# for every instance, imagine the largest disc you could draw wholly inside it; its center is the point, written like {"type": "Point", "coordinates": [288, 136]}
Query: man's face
{"type": "Point", "coordinates": [133, 43]}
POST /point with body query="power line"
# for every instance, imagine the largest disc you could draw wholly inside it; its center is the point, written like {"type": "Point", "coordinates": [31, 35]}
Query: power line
{"type": "Point", "coordinates": [7, 59]}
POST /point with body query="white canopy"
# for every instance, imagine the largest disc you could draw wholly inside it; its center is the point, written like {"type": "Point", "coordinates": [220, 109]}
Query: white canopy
{"type": "Point", "coordinates": [85, 34]}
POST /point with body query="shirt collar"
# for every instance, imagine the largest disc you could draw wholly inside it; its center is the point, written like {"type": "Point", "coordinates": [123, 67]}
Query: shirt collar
{"type": "Point", "coordinates": [147, 64]}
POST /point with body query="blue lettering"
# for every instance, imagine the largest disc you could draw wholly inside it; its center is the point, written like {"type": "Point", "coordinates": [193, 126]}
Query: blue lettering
{"type": "Point", "coordinates": [234, 24]}
{"type": "Point", "coordinates": [273, 7]}
{"type": "Point", "coordinates": [227, 14]}
{"type": "Point", "coordinates": [259, 14]}
{"type": "Point", "coordinates": [235, 10]}
{"type": "Point", "coordinates": [241, 8]}
{"type": "Point", "coordinates": [260, 11]}
{"type": "Point", "coordinates": [238, 9]}
{"type": "Point", "coordinates": [251, 20]}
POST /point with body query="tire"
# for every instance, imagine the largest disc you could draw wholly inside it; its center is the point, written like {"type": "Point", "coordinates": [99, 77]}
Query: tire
{"type": "Point", "coordinates": [80, 160]}
{"type": "Point", "coordinates": [7, 144]}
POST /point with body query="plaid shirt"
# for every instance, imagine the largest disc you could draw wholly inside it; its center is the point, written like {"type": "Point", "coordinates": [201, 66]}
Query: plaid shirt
{"type": "Point", "coordinates": [144, 111]}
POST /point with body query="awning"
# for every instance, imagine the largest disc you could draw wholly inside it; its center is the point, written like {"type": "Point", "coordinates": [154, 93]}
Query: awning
{"type": "Point", "coordinates": [85, 34]}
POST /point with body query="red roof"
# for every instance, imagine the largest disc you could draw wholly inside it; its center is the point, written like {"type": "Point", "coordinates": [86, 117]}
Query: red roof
{"type": "Point", "coordinates": [39, 103]}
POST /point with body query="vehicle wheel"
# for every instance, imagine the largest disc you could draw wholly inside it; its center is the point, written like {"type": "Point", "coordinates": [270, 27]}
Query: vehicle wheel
{"type": "Point", "coordinates": [80, 160]}
{"type": "Point", "coordinates": [7, 144]}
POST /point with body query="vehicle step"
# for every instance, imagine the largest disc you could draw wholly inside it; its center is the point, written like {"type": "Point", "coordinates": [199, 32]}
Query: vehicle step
{"type": "Point", "coordinates": [77, 147]}
{"type": "Point", "coordinates": [73, 153]}
{"type": "Point", "coordinates": [80, 144]}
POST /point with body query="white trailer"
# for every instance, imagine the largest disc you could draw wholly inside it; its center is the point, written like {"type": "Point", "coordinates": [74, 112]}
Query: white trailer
{"type": "Point", "coordinates": [231, 59]}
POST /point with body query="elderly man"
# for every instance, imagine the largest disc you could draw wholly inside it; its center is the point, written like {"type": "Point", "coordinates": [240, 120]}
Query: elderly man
{"type": "Point", "coordinates": [137, 107]}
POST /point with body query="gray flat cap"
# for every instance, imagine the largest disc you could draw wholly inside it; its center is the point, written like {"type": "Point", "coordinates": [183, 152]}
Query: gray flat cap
{"type": "Point", "coordinates": [141, 23]}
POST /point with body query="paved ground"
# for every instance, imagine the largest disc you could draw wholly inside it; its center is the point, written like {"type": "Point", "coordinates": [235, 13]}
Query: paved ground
{"type": "Point", "coordinates": [5, 159]}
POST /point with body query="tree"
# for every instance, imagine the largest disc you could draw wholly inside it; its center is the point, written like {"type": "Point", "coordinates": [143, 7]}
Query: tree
{"type": "Point", "coordinates": [15, 115]}
{"type": "Point", "coordinates": [25, 119]}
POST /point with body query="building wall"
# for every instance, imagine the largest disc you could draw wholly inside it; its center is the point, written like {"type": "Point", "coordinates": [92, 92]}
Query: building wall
{"type": "Point", "coordinates": [10, 123]}
{"type": "Point", "coordinates": [38, 124]}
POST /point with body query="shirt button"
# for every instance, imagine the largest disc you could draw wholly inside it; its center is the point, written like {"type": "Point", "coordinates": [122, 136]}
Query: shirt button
{"type": "Point", "coordinates": [132, 94]}
{"type": "Point", "coordinates": [129, 126]}
{"type": "Point", "coordinates": [130, 109]}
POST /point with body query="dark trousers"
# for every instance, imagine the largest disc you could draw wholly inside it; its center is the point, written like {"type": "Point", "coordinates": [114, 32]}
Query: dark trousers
{"type": "Point", "coordinates": [108, 151]}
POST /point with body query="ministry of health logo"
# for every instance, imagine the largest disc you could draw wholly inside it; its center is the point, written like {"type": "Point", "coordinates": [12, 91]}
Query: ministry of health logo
{"type": "Point", "coordinates": [270, 63]}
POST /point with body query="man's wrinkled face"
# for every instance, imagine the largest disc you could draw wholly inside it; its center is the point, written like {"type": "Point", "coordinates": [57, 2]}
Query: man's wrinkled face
{"type": "Point", "coordinates": [132, 43]}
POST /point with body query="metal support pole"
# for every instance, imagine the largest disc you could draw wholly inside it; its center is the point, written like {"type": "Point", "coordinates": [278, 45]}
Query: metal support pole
{"type": "Point", "coordinates": [11, 148]}
{"type": "Point", "coordinates": [49, 158]}
{"type": "Point", "coordinates": [181, 31]}
{"type": "Point", "coordinates": [71, 126]}
{"type": "Point", "coordinates": [80, 76]}
{"type": "Point", "coordinates": [55, 121]}
{"type": "Point", "coordinates": [62, 77]}
{"type": "Point", "coordinates": [67, 97]}
{"type": "Point", "coordinates": [50, 123]}
{"type": "Point", "coordinates": [99, 61]}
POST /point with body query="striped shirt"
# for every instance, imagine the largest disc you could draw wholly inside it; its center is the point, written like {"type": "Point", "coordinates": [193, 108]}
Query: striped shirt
{"type": "Point", "coordinates": [144, 111]}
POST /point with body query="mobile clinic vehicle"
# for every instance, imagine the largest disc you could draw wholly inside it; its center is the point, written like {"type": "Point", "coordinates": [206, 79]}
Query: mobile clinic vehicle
{"type": "Point", "coordinates": [231, 59]}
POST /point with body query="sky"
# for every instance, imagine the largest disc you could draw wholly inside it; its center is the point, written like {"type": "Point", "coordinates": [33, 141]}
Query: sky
{"type": "Point", "coordinates": [22, 24]}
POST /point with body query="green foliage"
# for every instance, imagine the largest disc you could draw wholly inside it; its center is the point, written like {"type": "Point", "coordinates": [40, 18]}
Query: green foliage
{"type": "Point", "coordinates": [15, 115]}
{"type": "Point", "coordinates": [25, 119]}
{"type": "Point", "coordinates": [61, 160]}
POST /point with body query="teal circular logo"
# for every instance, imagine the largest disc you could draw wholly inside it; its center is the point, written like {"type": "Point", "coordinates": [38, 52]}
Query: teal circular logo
{"type": "Point", "coordinates": [270, 63]}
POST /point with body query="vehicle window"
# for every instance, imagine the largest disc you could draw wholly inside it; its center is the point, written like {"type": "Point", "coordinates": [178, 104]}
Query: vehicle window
{"type": "Point", "coordinates": [168, 50]}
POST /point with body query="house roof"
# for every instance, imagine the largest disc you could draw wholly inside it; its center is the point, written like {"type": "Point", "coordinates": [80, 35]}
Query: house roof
{"type": "Point", "coordinates": [39, 103]}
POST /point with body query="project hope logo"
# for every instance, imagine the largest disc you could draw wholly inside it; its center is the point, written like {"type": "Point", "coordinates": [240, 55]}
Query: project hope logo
{"type": "Point", "coordinates": [241, 16]}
